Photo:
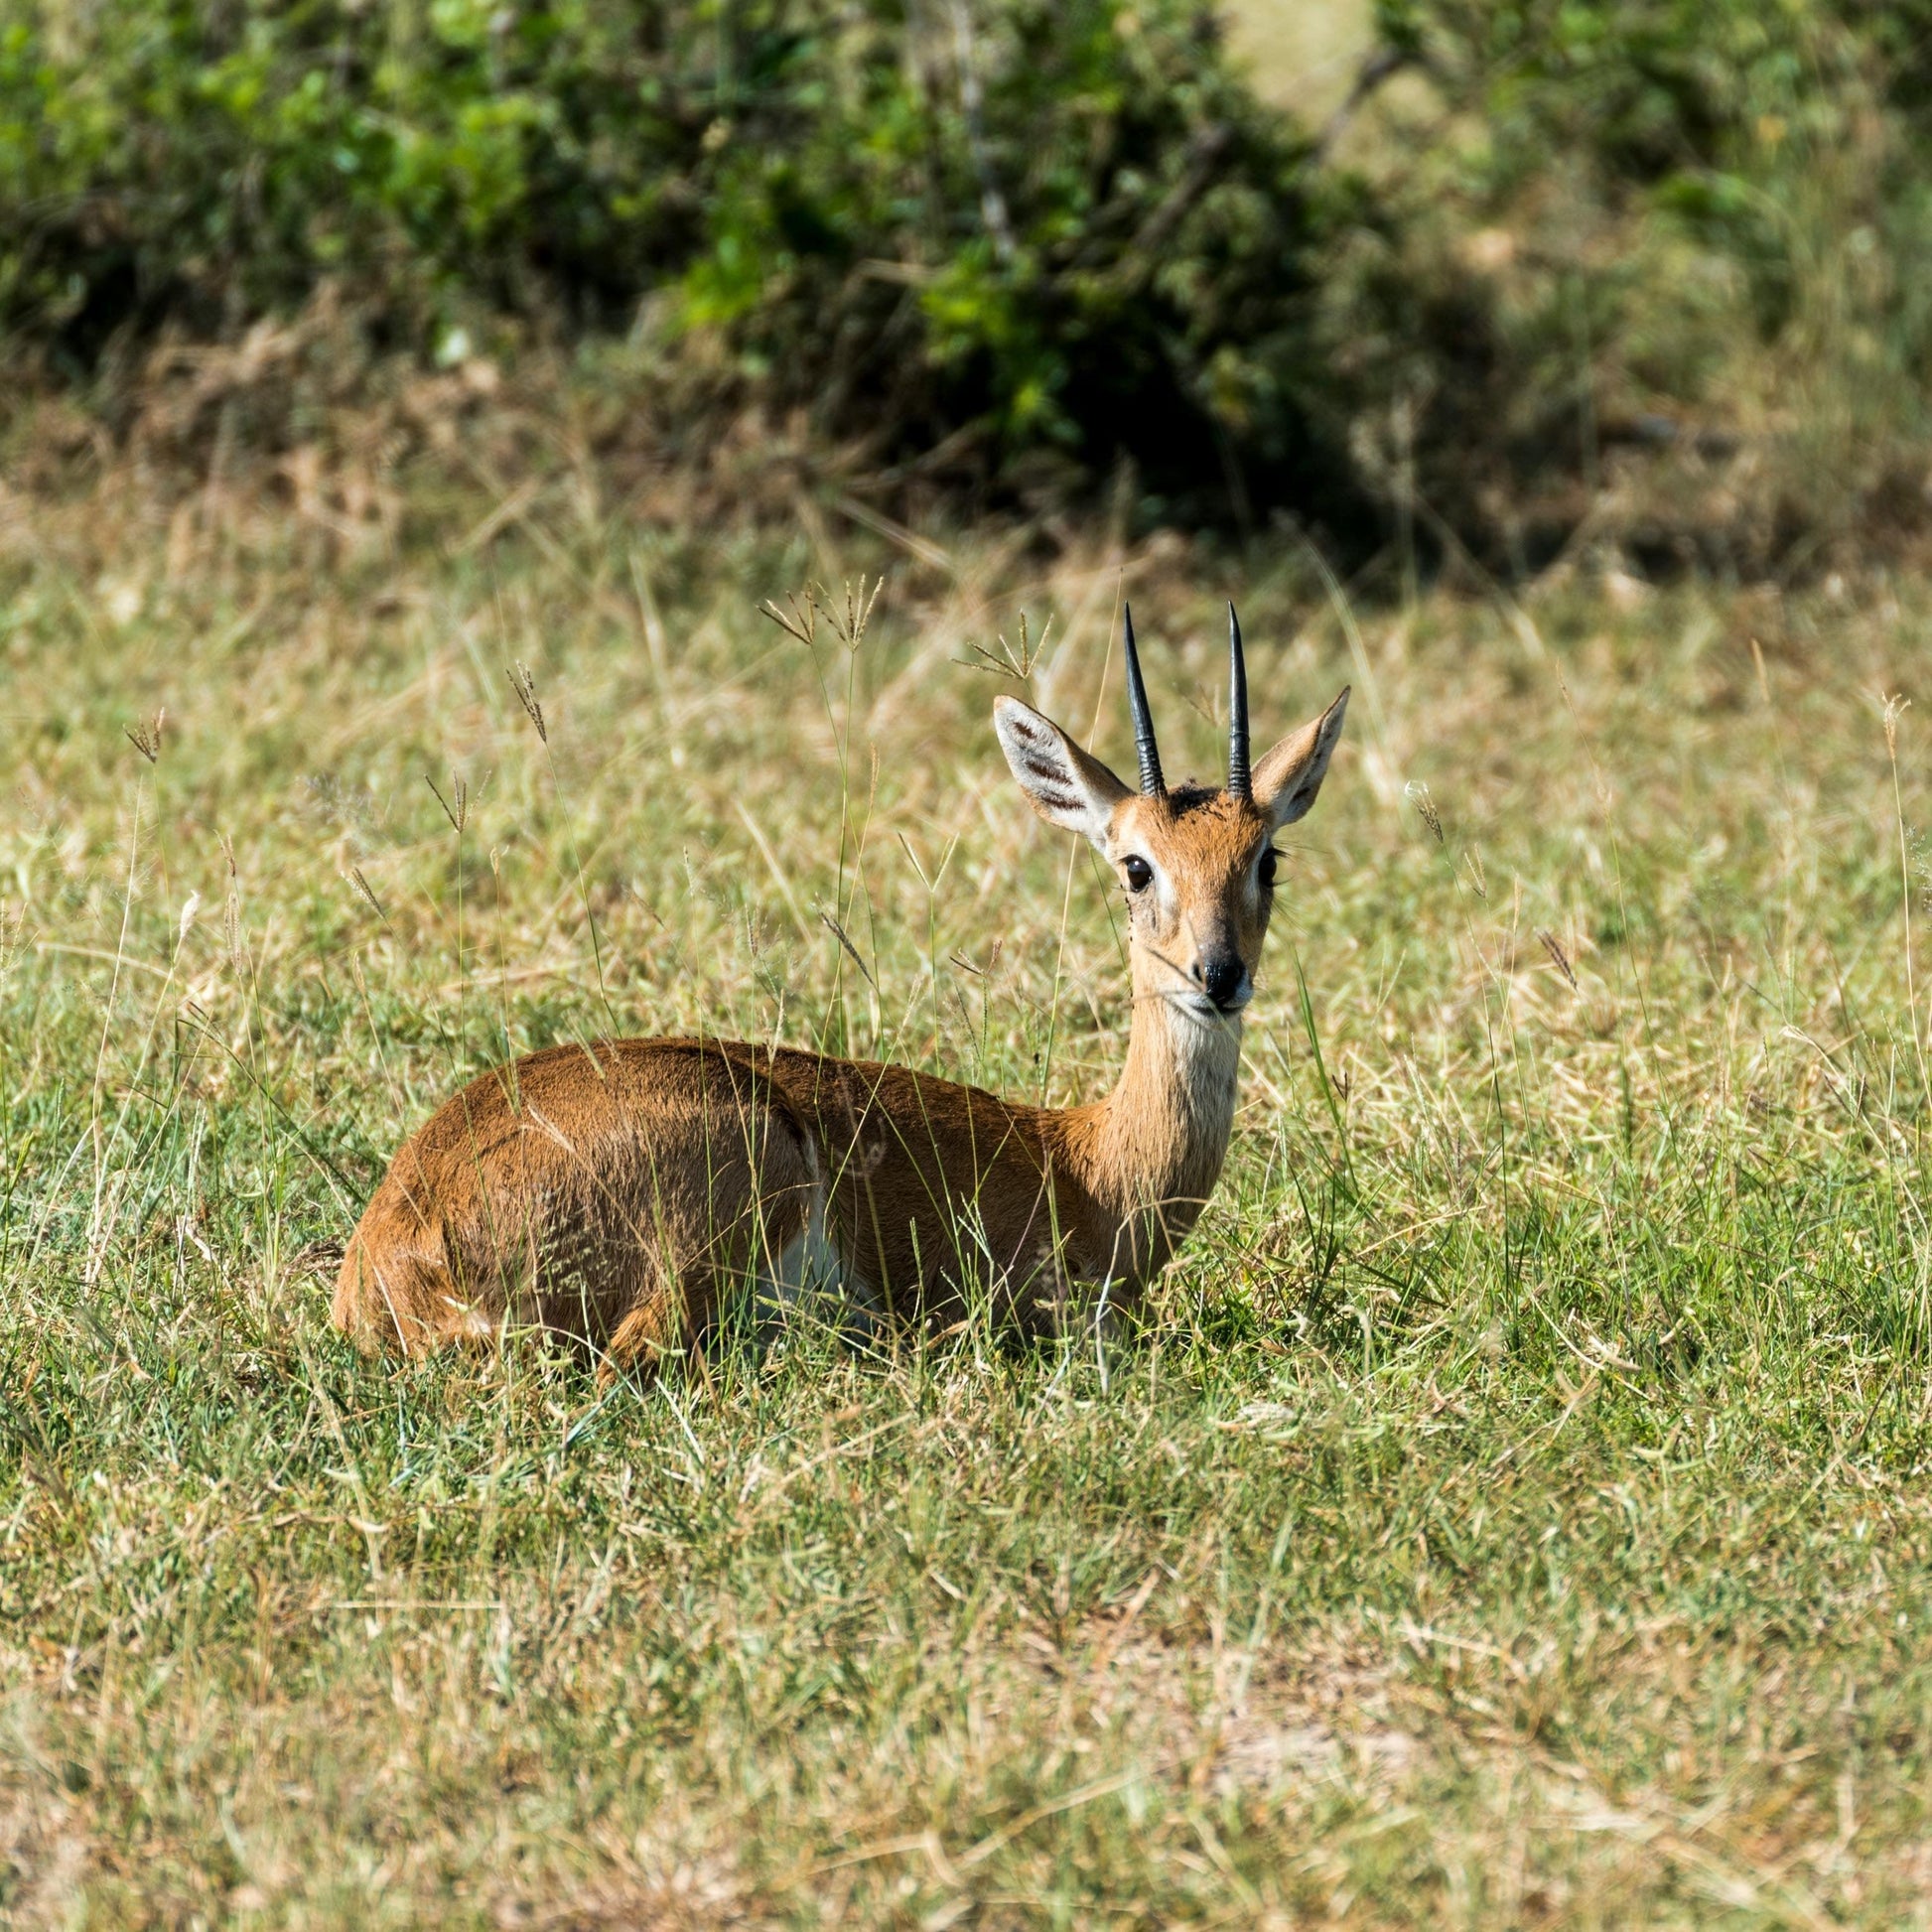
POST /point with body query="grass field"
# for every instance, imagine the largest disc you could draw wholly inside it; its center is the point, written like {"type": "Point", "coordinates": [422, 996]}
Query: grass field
{"type": "Point", "coordinates": [1515, 1512]}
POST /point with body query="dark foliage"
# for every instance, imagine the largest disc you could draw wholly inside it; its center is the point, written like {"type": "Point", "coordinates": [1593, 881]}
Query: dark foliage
{"type": "Point", "coordinates": [1044, 235]}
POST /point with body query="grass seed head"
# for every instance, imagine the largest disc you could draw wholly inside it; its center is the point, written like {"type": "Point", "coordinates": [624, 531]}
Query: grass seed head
{"type": "Point", "coordinates": [799, 617]}
{"type": "Point", "coordinates": [525, 688]}
{"type": "Point", "coordinates": [1013, 662]}
{"type": "Point", "coordinates": [1416, 794]}
{"type": "Point", "coordinates": [1558, 957]}
{"type": "Point", "coordinates": [844, 938]}
{"type": "Point", "coordinates": [457, 813]}
{"type": "Point", "coordinates": [231, 937]}
{"type": "Point", "coordinates": [367, 894]}
{"type": "Point", "coordinates": [859, 603]}
{"type": "Point", "coordinates": [1890, 713]}
{"type": "Point", "coordinates": [145, 737]}
{"type": "Point", "coordinates": [805, 609]}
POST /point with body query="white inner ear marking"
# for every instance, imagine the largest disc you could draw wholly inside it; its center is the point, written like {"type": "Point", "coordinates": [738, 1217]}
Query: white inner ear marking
{"type": "Point", "coordinates": [1066, 785]}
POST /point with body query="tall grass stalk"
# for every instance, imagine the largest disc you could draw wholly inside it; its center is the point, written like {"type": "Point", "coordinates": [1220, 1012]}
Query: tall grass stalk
{"type": "Point", "coordinates": [1891, 710]}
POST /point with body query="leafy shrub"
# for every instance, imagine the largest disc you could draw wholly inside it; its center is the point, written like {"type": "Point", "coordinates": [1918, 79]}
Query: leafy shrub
{"type": "Point", "coordinates": [1054, 231]}
{"type": "Point", "coordinates": [1686, 232]}
{"type": "Point", "coordinates": [1612, 241]}
{"type": "Point", "coordinates": [1704, 109]}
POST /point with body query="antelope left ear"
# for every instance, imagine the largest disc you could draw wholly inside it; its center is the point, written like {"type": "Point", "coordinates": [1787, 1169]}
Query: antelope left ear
{"type": "Point", "coordinates": [1066, 786]}
{"type": "Point", "coordinates": [1288, 779]}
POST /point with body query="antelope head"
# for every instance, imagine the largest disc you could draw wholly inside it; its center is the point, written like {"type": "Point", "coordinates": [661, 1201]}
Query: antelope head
{"type": "Point", "coordinates": [1198, 862]}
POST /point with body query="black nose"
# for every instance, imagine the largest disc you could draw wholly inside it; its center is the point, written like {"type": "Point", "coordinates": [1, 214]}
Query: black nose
{"type": "Point", "coordinates": [1221, 976]}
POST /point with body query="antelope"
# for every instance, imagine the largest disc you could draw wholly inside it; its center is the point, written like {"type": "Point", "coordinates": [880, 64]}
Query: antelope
{"type": "Point", "coordinates": [621, 1192]}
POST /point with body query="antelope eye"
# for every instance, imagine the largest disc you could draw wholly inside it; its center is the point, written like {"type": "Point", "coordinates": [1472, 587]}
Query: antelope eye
{"type": "Point", "coordinates": [1266, 871]}
{"type": "Point", "coordinates": [1140, 875]}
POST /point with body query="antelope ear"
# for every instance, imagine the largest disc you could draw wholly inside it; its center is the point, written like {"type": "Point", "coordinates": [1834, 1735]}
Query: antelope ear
{"type": "Point", "coordinates": [1066, 786]}
{"type": "Point", "coordinates": [1286, 779]}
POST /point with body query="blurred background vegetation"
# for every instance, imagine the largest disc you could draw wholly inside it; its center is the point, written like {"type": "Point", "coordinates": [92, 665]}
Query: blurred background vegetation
{"type": "Point", "coordinates": [1453, 280]}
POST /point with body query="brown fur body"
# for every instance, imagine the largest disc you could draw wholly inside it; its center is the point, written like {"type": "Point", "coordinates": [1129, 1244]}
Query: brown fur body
{"type": "Point", "coordinates": [621, 1192]}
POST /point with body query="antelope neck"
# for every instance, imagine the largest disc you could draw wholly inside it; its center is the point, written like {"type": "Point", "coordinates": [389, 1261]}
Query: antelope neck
{"type": "Point", "coordinates": [1157, 1141]}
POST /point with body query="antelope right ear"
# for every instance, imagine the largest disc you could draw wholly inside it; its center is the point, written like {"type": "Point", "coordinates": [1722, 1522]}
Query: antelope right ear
{"type": "Point", "coordinates": [1066, 786]}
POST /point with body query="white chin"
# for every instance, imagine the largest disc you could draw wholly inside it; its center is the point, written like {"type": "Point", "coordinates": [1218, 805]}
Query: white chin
{"type": "Point", "coordinates": [1207, 1009]}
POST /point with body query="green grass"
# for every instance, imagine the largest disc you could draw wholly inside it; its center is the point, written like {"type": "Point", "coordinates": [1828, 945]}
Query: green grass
{"type": "Point", "coordinates": [1514, 1514]}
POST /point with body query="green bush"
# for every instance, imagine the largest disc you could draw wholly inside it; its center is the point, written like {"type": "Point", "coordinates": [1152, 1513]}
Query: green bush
{"type": "Point", "coordinates": [1711, 111]}
{"type": "Point", "coordinates": [1057, 229]}
{"type": "Point", "coordinates": [1016, 241]}
{"type": "Point", "coordinates": [1638, 237]}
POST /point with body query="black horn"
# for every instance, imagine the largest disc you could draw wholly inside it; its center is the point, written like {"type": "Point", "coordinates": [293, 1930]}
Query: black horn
{"type": "Point", "coordinates": [1240, 781]}
{"type": "Point", "coordinates": [1144, 744]}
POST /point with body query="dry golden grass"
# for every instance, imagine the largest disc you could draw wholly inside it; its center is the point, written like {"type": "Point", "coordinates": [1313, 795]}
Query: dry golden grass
{"type": "Point", "coordinates": [1514, 1514]}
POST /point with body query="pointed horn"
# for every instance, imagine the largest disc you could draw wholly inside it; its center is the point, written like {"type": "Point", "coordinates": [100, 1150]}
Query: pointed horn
{"type": "Point", "coordinates": [1240, 784]}
{"type": "Point", "coordinates": [1150, 753]}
